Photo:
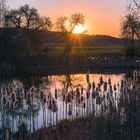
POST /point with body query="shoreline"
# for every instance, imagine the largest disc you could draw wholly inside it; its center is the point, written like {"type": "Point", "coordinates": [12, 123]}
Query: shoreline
{"type": "Point", "coordinates": [59, 66]}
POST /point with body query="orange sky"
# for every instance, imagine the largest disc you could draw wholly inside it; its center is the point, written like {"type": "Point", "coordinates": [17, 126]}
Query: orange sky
{"type": "Point", "coordinates": [102, 16]}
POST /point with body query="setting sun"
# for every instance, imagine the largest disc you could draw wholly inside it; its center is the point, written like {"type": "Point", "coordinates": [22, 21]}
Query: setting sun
{"type": "Point", "coordinates": [79, 29]}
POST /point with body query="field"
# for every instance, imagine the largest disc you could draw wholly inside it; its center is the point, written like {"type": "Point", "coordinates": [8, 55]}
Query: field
{"type": "Point", "coordinates": [82, 50]}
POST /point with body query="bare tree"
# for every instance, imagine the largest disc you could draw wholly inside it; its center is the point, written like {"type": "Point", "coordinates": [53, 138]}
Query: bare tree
{"type": "Point", "coordinates": [3, 9]}
{"type": "Point", "coordinates": [30, 16]}
{"type": "Point", "coordinates": [133, 12]}
{"type": "Point", "coordinates": [44, 23]}
{"type": "Point", "coordinates": [130, 27]}
{"type": "Point", "coordinates": [133, 7]}
{"type": "Point", "coordinates": [13, 19]}
{"type": "Point", "coordinates": [27, 18]}
{"type": "Point", "coordinates": [66, 25]}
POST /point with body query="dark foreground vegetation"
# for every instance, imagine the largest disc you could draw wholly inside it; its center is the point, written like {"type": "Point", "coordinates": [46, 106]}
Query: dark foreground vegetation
{"type": "Point", "coordinates": [100, 110]}
{"type": "Point", "coordinates": [112, 126]}
{"type": "Point", "coordinates": [87, 129]}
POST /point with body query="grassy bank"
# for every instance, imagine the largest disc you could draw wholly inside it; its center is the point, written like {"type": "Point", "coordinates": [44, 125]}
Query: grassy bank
{"type": "Point", "coordinates": [80, 129]}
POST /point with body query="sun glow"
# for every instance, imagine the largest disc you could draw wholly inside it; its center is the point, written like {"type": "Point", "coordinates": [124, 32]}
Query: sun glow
{"type": "Point", "coordinates": [79, 29]}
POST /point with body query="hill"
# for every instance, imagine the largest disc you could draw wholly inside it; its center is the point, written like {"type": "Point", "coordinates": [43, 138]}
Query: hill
{"type": "Point", "coordinates": [53, 38]}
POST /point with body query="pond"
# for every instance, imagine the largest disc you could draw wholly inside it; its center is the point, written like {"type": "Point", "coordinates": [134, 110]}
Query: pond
{"type": "Point", "coordinates": [44, 101]}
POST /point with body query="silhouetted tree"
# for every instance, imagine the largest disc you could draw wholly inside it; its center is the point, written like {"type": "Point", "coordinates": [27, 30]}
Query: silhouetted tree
{"type": "Point", "coordinates": [3, 10]}
{"type": "Point", "coordinates": [131, 28]}
{"type": "Point", "coordinates": [13, 19]}
{"type": "Point", "coordinates": [27, 18]}
{"type": "Point", "coordinates": [66, 25]}
{"type": "Point", "coordinates": [30, 15]}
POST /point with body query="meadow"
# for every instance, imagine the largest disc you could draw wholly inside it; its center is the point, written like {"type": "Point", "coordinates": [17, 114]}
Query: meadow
{"type": "Point", "coordinates": [88, 50]}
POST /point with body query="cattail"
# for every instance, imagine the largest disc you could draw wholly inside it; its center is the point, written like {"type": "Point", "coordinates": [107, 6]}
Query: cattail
{"type": "Point", "coordinates": [82, 90]}
{"type": "Point", "coordinates": [84, 105]}
{"type": "Point", "coordinates": [87, 77]}
{"type": "Point", "coordinates": [101, 80]}
{"type": "Point", "coordinates": [108, 95]}
{"type": "Point", "coordinates": [93, 86]}
{"type": "Point", "coordinates": [87, 94]}
{"type": "Point", "coordinates": [55, 93]}
{"type": "Point", "coordinates": [125, 83]}
{"type": "Point", "coordinates": [44, 100]}
{"type": "Point", "coordinates": [54, 106]}
{"type": "Point", "coordinates": [129, 81]}
{"type": "Point", "coordinates": [72, 94]}
{"type": "Point", "coordinates": [82, 98]}
{"type": "Point", "coordinates": [63, 97]}
{"type": "Point", "coordinates": [70, 110]}
{"type": "Point", "coordinates": [3, 90]}
{"type": "Point", "coordinates": [79, 101]}
{"type": "Point", "coordinates": [115, 88]}
{"type": "Point", "coordinates": [111, 91]}
{"type": "Point", "coordinates": [105, 86]}
{"type": "Point", "coordinates": [17, 92]}
{"type": "Point", "coordinates": [115, 95]}
{"type": "Point", "coordinates": [109, 81]}
{"type": "Point", "coordinates": [99, 86]}
{"type": "Point", "coordinates": [98, 100]}
{"type": "Point", "coordinates": [103, 97]}
{"type": "Point", "coordinates": [77, 92]}
{"type": "Point", "coordinates": [89, 86]}
{"type": "Point", "coordinates": [135, 75]}
{"type": "Point", "coordinates": [97, 93]}
{"type": "Point", "coordinates": [31, 97]}
{"type": "Point", "coordinates": [13, 97]}
{"type": "Point", "coordinates": [50, 105]}
{"type": "Point", "coordinates": [122, 84]}
{"type": "Point", "coordinates": [118, 85]}
{"type": "Point", "coordinates": [4, 100]}
{"type": "Point", "coordinates": [41, 95]}
{"type": "Point", "coordinates": [21, 94]}
{"type": "Point", "coordinates": [93, 94]}
{"type": "Point", "coordinates": [68, 98]}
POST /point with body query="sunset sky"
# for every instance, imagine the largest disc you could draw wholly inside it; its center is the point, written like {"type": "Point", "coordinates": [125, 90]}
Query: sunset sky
{"type": "Point", "coordinates": [102, 16]}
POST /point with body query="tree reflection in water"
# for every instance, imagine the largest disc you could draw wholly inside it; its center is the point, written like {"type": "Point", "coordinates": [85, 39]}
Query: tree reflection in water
{"type": "Point", "coordinates": [26, 108]}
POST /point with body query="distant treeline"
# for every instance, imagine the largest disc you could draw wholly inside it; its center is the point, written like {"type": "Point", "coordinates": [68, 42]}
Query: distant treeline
{"type": "Point", "coordinates": [13, 40]}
